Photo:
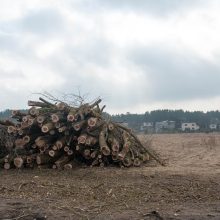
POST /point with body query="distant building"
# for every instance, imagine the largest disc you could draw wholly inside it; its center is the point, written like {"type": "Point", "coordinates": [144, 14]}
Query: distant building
{"type": "Point", "coordinates": [192, 126]}
{"type": "Point", "coordinates": [213, 126]}
{"type": "Point", "coordinates": [147, 127]}
{"type": "Point", "coordinates": [164, 126]}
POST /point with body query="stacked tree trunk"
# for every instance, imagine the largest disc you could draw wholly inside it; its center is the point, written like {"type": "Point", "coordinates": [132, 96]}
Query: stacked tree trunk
{"type": "Point", "coordinates": [59, 136]}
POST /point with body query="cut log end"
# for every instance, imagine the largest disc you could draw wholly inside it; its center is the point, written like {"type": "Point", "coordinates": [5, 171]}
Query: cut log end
{"type": "Point", "coordinates": [7, 166]}
{"type": "Point", "coordinates": [18, 162]}
{"type": "Point", "coordinates": [105, 150]}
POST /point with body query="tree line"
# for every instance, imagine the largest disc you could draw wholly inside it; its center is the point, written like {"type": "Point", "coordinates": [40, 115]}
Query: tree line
{"type": "Point", "coordinates": [203, 119]}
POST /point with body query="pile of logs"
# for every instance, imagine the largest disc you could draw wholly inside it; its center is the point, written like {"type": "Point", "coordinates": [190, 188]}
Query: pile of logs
{"type": "Point", "coordinates": [59, 136]}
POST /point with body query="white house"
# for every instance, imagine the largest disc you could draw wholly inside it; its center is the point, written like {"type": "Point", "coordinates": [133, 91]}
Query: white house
{"type": "Point", "coordinates": [164, 126]}
{"type": "Point", "coordinates": [147, 126]}
{"type": "Point", "coordinates": [213, 126]}
{"type": "Point", "coordinates": [192, 126]}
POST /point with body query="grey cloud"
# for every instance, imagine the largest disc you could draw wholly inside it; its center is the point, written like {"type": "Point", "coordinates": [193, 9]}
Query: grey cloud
{"type": "Point", "coordinates": [8, 42]}
{"type": "Point", "coordinates": [40, 21]}
{"type": "Point", "coordinates": [13, 99]}
{"type": "Point", "coordinates": [96, 50]}
{"type": "Point", "coordinates": [78, 76]}
{"type": "Point", "coordinates": [155, 7]}
{"type": "Point", "coordinates": [175, 77]}
{"type": "Point", "coordinates": [115, 95]}
{"type": "Point", "coordinates": [10, 75]}
{"type": "Point", "coordinates": [172, 77]}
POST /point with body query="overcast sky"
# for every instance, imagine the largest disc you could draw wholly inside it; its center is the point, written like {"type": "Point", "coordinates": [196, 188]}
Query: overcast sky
{"type": "Point", "coordinates": [138, 55]}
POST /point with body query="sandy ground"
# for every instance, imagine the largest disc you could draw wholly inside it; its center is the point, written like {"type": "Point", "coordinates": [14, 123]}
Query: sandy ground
{"type": "Point", "coordinates": [188, 187]}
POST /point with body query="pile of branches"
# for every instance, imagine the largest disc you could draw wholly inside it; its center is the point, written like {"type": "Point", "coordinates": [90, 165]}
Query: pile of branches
{"type": "Point", "coordinates": [59, 136]}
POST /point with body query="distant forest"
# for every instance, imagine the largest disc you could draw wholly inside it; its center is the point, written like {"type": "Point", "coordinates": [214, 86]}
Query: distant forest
{"type": "Point", "coordinates": [136, 120]}
{"type": "Point", "coordinates": [5, 114]}
{"type": "Point", "coordinates": [201, 118]}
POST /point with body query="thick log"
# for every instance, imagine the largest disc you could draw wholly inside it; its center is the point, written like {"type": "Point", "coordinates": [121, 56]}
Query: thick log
{"type": "Point", "coordinates": [56, 117]}
{"type": "Point", "coordinates": [26, 139]}
{"type": "Point", "coordinates": [32, 121]}
{"type": "Point", "coordinates": [92, 122]}
{"type": "Point", "coordinates": [43, 140]}
{"type": "Point", "coordinates": [20, 143]}
{"type": "Point", "coordinates": [54, 147]}
{"type": "Point", "coordinates": [86, 153]}
{"type": "Point", "coordinates": [7, 123]}
{"type": "Point", "coordinates": [127, 162]}
{"type": "Point", "coordinates": [24, 125]}
{"type": "Point", "coordinates": [41, 118]}
{"type": "Point", "coordinates": [102, 142]}
{"type": "Point", "coordinates": [71, 117]}
{"type": "Point", "coordinates": [78, 125]}
{"type": "Point", "coordinates": [62, 129]}
{"type": "Point", "coordinates": [26, 118]}
{"type": "Point", "coordinates": [46, 102]}
{"type": "Point", "coordinates": [95, 103]}
{"type": "Point", "coordinates": [11, 129]}
{"type": "Point", "coordinates": [126, 146]}
{"type": "Point", "coordinates": [62, 106]}
{"type": "Point", "coordinates": [44, 148]}
{"type": "Point", "coordinates": [47, 127]}
{"type": "Point", "coordinates": [70, 152]}
{"type": "Point", "coordinates": [94, 154]}
{"type": "Point", "coordinates": [33, 111]}
{"type": "Point", "coordinates": [18, 162]}
{"type": "Point", "coordinates": [53, 153]}
{"type": "Point", "coordinates": [60, 143]}
{"type": "Point", "coordinates": [68, 166]}
{"type": "Point", "coordinates": [82, 139]}
{"type": "Point", "coordinates": [17, 113]}
{"type": "Point", "coordinates": [66, 148]}
{"type": "Point", "coordinates": [137, 162]}
{"type": "Point", "coordinates": [115, 158]}
{"type": "Point", "coordinates": [115, 145]}
{"type": "Point", "coordinates": [37, 104]}
{"type": "Point", "coordinates": [90, 141]}
{"type": "Point", "coordinates": [62, 161]}
{"type": "Point", "coordinates": [111, 126]}
{"type": "Point", "coordinates": [43, 159]}
{"type": "Point", "coordinates": [7, 166]}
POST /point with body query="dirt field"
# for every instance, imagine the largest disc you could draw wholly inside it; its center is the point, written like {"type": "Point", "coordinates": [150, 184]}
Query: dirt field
{"type": "Point", "coordinates": [187, 188]}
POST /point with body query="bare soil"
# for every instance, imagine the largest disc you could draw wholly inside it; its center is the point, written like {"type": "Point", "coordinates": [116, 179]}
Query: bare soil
{"type": "Point", "coordinates": [188, 187]}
